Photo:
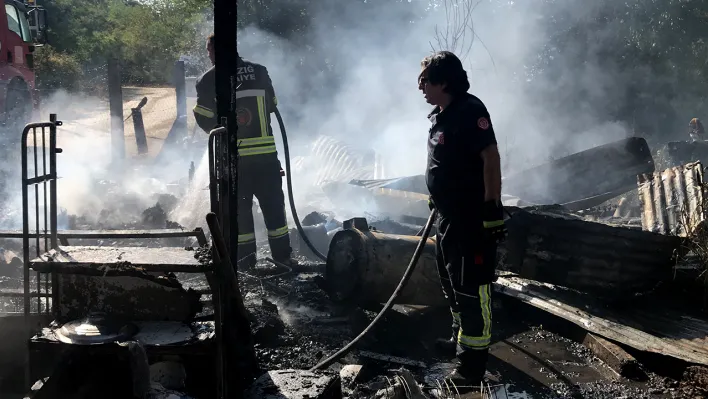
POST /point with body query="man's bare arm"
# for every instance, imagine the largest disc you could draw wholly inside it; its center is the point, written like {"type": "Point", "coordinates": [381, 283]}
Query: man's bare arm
{"type": "Point", "coordinates": [492, 173]}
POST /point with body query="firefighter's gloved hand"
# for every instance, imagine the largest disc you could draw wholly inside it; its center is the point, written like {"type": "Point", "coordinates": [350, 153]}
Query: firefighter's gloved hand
{"type": "Point", "coordinates": [494, 227]}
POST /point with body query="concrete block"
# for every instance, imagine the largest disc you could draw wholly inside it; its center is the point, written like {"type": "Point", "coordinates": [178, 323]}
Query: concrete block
{"type": "Point", "coordinates": [349, 376]}
{"type": "Point", "coordinates": [295, 384]}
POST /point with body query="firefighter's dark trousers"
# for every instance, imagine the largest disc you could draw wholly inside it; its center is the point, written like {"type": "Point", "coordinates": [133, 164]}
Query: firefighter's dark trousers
{"type": "Point", "coordinates": [263, 180]}
{"type": "Point", "coordinates": [466, 264]}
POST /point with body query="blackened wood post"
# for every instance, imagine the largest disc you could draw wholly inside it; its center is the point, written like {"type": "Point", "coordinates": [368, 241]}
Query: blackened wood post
{"type": "Point", "coordinates": [225, 67]}
{"type": "Point", "coordinates": [115, 97]}
{"type": "Point", "coordinates": [180, 88]}
{"type": "Point", "coordinates": [139, 127]}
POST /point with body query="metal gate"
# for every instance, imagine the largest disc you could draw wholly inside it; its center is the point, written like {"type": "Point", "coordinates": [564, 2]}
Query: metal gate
{"type": "Point", "coordinates": [39, 208]}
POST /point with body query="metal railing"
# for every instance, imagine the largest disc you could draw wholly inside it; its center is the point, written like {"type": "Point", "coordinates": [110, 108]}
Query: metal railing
{"type": "Point", "coordinates": [44, 229]}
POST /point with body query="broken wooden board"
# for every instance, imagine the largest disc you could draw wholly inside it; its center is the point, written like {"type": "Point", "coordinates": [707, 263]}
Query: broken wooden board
{"type": "Point", "coordinates": [104, 234]}
{"type": "Point", "coordinates": [107, 261]}
{"type": "Point", "coordinates": [295, 384]}
{"type": "Point", "coordinates": [646, 325]}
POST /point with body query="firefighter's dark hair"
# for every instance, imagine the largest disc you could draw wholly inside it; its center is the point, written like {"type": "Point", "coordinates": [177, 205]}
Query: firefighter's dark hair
{"type": "Point", "coordinates": [210, 39]}
{"type": "Point", "coordinates": [445, 67]}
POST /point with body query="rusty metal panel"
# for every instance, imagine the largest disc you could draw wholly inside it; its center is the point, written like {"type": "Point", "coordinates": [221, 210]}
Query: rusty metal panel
{"type": "Point", "coordinates": [672, 200]}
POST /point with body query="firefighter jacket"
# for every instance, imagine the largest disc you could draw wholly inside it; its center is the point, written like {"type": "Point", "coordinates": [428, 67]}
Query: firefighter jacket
{"type": "Point", "coordinates": [255, 101]}
{"type": "Point", "coordinates": [205, 110]}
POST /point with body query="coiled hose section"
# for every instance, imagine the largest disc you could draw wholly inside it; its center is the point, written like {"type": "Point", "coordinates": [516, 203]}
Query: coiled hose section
{"type": "Point", "coordinates": [289, 182]}
{"type": "Point", "coordinates": [404, 280]}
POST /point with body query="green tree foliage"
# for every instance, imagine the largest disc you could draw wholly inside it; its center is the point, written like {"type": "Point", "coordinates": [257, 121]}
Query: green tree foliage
{"type": "Point", "coordinates": [57, 69]}
{"type": "Point", "coordinates": [147, 37]}
{"type": "Point", "coordinates": [652, 56]}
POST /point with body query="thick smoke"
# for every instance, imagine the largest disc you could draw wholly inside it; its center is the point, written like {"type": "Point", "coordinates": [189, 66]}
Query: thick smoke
{"type": "Point", "coordinates": [90, 185]}
{"type": "Point", "coordinates": [375, 103]}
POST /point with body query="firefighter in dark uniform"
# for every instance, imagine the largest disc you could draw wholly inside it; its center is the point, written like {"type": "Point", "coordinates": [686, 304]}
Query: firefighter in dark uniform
{"type": "Point", "coordinates": [259, 171]}
{"type": "Point", "coordinates": [464, 180]}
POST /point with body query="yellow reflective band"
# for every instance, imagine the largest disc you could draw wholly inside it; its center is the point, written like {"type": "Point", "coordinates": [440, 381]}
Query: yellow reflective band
{"type": "Point", "coordinates": [246, 238]}
{"type": "Point", "coordinates": [203, 111]}
{"type": "Point", "coordinates": [257, 150]}
{"type": "Point", "coordinates": [473, 342]}
{"type": "Point", "coordinates": [250, 142]}
{"type": "Point", "coordinates": [262, 115]}
{"type": "Point", "coordinates": [486, 310]}
{"type": "Point", "coordinates": [275, 100]}
{"type": "Point", "coordinates": [277, 233]}
{"type": "Point", "coordinates": [495, 223]}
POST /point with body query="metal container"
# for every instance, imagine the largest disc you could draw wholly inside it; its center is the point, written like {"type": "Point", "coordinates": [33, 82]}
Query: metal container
{"type": "Point", "coordinates": [365, 267]}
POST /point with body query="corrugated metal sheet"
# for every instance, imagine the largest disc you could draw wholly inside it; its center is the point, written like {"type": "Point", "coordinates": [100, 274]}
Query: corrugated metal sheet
{"type": "Point", "coordinates": [672, 200]}
{"type": "Point", "coordinates": [651, 324]}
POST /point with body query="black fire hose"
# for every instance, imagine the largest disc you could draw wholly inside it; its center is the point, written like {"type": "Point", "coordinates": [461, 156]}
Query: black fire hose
{"type": "Point", "coordinates": [288, 179]}
{"type": "Point", "coordinates": [404, 280]}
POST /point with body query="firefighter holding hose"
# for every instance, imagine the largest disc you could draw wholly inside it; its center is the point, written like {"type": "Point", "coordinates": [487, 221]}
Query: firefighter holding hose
{"type": "Point", "coordinates": [259, 171]}
{"type": "Point", "coordinates": [464, 180]}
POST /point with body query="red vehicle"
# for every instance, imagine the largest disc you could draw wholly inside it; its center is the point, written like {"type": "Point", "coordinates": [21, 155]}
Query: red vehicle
{"type": "Point", "coordinates": [22, 29]}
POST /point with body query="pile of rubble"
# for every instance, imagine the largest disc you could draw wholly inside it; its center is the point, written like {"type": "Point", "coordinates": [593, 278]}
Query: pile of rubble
{"type": "Point", "coordinates": [585, 305]}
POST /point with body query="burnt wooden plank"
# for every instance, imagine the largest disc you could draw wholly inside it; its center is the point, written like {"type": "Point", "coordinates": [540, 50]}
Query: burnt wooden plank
{"type": "Point", "coordinates": [551, 245]}
{"type": "Point", "coordinates": [102, 234]}
{"type": "Point", "coordinates": [98, 261]}
{"type": "Point", "coordinates": [614, 356]}
{"type": "Point", "coordinates": [663, 333]}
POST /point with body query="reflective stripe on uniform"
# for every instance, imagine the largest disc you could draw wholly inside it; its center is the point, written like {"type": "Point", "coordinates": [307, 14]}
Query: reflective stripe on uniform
{"type": "Point", "coordinates": [250, 93]}
{"type": "Point", "coordinates": [483, 341]}
{"type": "Point", "coordinates": [246, 238]}
{"type": "Point", "coordinates": [256, 146]}
{"type": "Point", "coordinates": [279, 232]}
{"type": "Point", "coordinates": [203, 111]}
{"type": "Point", "coordinates": [265, 144]}
{"type": "Point", "coordinates": [262, 115]}
{"type": "Point", "coordinates": [244, 143]}
{"type": "Point", "coordinates": [495, 223]}
{"type": "Point", "coordinates": [257, 150]}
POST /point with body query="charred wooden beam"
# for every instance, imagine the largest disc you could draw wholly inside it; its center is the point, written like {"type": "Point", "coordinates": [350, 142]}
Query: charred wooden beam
{"type": "Point", "coordinates": [614, 357]}
{"type": "Point", "coordinates": [644, 326]}
{"type": "Point", "coordinates": [117, 261]}
{"type": "Point", "coordinates": [550, 245]}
